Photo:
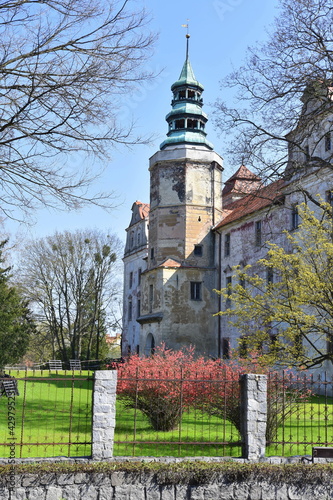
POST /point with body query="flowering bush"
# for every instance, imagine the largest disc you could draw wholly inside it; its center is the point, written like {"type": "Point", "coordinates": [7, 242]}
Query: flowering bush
{"type": "Point", "coordinates": [222, 398]}
{"type": "Point", "coordinates": [158, 385]}
{"type": "Point", "coordinates": [165, 385]}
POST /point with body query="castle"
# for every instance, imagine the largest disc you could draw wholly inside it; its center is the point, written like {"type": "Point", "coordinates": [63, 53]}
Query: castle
{"type": "Point", "coordinates": [184, 244]}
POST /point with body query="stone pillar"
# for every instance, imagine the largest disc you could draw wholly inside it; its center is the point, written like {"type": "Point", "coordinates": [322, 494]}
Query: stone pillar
{"type": "Point", "coordinates": [104, 414]}
{"type": "Point", "coordinates": [253, 415]}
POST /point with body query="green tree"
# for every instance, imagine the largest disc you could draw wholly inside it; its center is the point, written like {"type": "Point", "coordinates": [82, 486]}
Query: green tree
{"type": "Point", "coordinates": [72, 279]}
{"type": "Point", "coordinates": [16, 324]}
{"type": "Point", "coordinates": [289, 319]}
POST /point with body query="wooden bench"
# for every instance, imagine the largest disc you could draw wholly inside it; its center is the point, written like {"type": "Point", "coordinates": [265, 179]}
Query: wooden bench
{"type": "Point", "coordinates": [75, 364]}
{"type": "Point", "coordinates": [55, 364]}
{"type": "Point", "coordinates": [8, 386]}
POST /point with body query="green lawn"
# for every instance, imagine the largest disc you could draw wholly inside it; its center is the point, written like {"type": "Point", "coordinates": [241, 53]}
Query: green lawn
{"type": "Point", "coordinates": [53, 417]}
{"type": "Point", "coordinates": [49, 412]}
{"type": "Point", "coordinates": [312, 423]}
{"type": "Point", "coordinates": [210, 434]}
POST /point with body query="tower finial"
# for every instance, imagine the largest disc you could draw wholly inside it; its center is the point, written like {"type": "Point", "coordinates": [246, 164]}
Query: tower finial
{"type": "Point", "coordinates": [187, 36]}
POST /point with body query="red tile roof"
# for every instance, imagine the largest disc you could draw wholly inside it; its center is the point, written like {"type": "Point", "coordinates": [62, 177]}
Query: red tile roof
{"type": "Point", "coordinates": [170, 263]}
{"type": "Point", "coordinates": [143, 209]}
{"type": "Point", "coordinates": [241, 183]}
{"type": "Point", "coordinates": [251, 203]}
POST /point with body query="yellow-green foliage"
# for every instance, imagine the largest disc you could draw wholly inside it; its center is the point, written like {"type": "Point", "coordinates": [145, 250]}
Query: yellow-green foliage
{"type": "Point", "coordinates": [297, 306]}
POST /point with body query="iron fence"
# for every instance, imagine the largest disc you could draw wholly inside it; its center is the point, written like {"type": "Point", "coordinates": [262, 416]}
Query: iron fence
{"type": "Point", "coordinates": [49, 414]}
{"type": "Point", "coordinates": [300, 413]}
{"type": "Point", "coordinates": [170, 417]}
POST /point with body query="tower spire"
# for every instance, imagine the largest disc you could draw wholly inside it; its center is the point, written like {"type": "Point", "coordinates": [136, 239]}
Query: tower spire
{"type": "Point", "coordinates": [186, 120]}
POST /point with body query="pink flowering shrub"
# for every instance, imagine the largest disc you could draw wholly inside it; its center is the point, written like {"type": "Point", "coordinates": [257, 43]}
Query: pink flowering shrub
{"type": "Point", "coordinates": [222, 398]}
{"type": "Point", "coordinates": [164, 385]}
{"type": "Point", "coordinates": [159, 385]}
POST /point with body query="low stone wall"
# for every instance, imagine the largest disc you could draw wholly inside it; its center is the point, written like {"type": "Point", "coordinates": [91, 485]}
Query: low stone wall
{"type": "Point", "coordinates": [147, 486]}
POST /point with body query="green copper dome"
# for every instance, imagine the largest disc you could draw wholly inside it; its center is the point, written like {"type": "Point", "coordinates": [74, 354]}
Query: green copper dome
{"type": "Point", "coordinates": [186, 119]}
{"type": "Point", "coordinates": [187, 77]}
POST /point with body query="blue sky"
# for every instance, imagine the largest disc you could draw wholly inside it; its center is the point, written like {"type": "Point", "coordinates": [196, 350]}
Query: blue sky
{"type": "Point", "coordinates": [221, 31]}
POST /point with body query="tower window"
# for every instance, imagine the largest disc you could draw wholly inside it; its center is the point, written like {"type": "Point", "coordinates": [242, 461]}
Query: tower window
{"type": "Point", "coordinates": [198, 250]}
{"type": "Point", "coordinates": [139, 275]}
{"type": "Point", "coordinates": [196, 290]}
{"type": "Point", "coordinates": [151, 297]}
{"type": "Point", "coordinates": [152, 253]}
{"type": "Point", "coordinates": [138, 312]}
{"type": "Point", "coordinates": [191, 94]}
{"type": "Point", "coordinates": [179, 124]}
{"type": "Point", "coordinates": [130, 279]}
{"type": "Point", "coordinates": [182, 94]}
{"type": "Point", "coordinates": [328, 142]}
{"type": "Point", "coordinates": [192, 123]}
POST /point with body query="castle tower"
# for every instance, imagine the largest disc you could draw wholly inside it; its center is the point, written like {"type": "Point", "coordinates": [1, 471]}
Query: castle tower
{"type": "Point", "coordinates": [177, 298]}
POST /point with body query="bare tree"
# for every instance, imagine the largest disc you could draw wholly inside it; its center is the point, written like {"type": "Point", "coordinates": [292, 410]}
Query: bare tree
{"type": "Point", "coordinates": [285, 90]}
{"type": "Point", "coordinates": [64, 66]}
{"type": "Point", "coordinates": [72, 281]}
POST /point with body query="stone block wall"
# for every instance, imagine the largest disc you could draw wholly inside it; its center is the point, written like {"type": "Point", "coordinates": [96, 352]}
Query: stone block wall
{"type": "Point", "coordinates": [131, 486]}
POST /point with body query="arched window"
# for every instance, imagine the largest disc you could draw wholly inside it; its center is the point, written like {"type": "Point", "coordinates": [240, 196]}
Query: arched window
{"type": "Point", "coordinates": [150, 345]}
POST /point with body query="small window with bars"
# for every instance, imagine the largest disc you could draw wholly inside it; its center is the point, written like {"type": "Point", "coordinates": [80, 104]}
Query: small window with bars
{"type": "Point", "coordinates": [196, 289]}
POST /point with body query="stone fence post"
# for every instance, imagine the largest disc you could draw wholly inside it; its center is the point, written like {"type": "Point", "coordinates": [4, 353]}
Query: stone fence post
{"type": "Point", "coordinates": [253, 415]}
{"type": "Point", "coordinates": [104, 414]}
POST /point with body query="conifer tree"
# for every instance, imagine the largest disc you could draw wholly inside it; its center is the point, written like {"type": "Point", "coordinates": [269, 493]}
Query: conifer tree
{"type": "Point", "coordinates": [16, 324]}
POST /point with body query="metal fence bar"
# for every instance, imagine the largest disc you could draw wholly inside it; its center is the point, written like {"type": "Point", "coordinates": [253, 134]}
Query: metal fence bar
{"type": "Point", "coordinates": [195, 430]}
{"type": "Point", "coordinates": [307, 416]}
{"type": "Point", "coordinates": [47, 418]}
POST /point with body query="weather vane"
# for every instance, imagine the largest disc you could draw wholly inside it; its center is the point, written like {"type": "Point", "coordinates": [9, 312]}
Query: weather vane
{"type": "Point", "coordinates": [187, 25]}
{"type": "Point", "coordinates": [187, 35]}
